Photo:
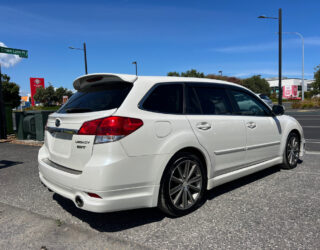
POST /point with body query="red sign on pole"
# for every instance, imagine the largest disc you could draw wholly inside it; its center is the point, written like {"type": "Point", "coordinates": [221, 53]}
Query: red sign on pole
{"type": "Point", "coordinates": [34, 84]}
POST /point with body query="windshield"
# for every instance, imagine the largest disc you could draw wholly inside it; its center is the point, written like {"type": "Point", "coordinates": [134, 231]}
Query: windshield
{"type": "Point", "coordinates": [97, 98]}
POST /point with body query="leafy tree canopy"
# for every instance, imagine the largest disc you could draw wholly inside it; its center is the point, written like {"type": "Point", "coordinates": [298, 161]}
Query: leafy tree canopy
{"type": "Point", "coordinates": [10, 91]}
{"type": "Point", "coordinates": [254, 83]}
{"type": "Point", "coordinates": [225, 78]}
{"type": "Point", "coordinates": [316, 83]}
{"type": "Point", "coordinates": [60, 92]}
{"type": "Point", "coordinates": [49, 96]}
{"type": "Point", "coordinates": [257, 84]}
{"type": "Point", "coordinates": [188, 73]}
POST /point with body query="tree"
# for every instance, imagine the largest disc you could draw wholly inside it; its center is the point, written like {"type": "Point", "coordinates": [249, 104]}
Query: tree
{"type": "Point", "coordinates": [316, 83]}
{"type": "Point", "coordinates": [47, 96]}
{"type": "Point", "coordinates": [173, 74]}
{"type": "Point", "coordinates": [188, 73]}
{"type": "Point", "coordinates": [10, 92]}
{"type": "Point", "coordinates": [225, 78]}
{"type": "Point", "coordinates": [60, 92]}
{"type": "Point", "coordinates": [257, 84]}
{"type": "Point", "coordinates": [192, 73]}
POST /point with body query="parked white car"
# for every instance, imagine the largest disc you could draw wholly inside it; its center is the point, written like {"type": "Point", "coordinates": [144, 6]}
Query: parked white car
{"type": "Point", "coordinates": [266, 99]}
{"type": "Point", "coordinates": [125, 142]}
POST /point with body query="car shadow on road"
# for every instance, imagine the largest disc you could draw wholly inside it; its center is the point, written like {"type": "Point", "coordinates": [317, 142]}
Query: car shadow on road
{"type": "Point", "coordinates": [111, 222]}
{"type": "Point", "coordinates": [228, 187]}
{"type": "Point", "coordinates": [6, 164]}
{"type": "Point", "coordinates": [119, 221]}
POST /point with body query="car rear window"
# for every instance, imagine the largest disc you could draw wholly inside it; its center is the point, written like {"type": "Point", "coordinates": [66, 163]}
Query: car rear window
{"type": "Point", "coordinates": [165, 98]}
{"type": "Point", "coordinates": [97, 98]}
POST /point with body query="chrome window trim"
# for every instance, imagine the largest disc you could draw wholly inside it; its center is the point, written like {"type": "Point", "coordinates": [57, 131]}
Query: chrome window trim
{"type": "Point", "coordinates": [60, 167]}
{"type": "Point", "coordinates": [263, 145]}
{"type": "Point", "coordinates": [240, 149]}
{"type": "Point", "coordinates": [228, 151]}
{"type": "Point", "coordinates": [62, 130]}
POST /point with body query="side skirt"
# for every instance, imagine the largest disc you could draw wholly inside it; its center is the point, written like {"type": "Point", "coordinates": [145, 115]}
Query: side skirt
{"type": "Point", "coordinates": [224, 178]}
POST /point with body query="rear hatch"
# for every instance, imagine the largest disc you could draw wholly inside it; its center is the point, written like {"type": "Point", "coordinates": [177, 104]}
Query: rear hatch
{"type": "Point", "coordinates": [98, 96]}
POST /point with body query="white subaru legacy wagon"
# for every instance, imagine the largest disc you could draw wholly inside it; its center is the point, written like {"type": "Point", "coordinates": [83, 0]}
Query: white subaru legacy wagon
{"type": "Point", "coordinates": [125, 142]}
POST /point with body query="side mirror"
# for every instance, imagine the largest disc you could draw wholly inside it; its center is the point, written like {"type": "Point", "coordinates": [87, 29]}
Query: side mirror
{"type": "Point", "coordinates": [278, 109]}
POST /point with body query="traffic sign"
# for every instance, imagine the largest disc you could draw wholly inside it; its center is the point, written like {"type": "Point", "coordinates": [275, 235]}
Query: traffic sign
{"type": "Point", "coordinates": [20, 52]}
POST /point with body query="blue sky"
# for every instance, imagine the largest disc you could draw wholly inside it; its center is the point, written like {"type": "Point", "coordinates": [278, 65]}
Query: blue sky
{"type": "Point", "coordinates": [162, 36]}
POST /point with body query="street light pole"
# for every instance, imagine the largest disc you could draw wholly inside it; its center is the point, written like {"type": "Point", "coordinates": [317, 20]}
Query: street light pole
{"type": "Point", "coordinates": [280, 52]}
{"type": "Point", "coordinates": [3, 130]}
{"type": "Point", "coordinates": [302, 80]}
{"type": "Point", "coordinates": [85, 57]}
{"type": "Point", "coordinates": [135, 62]}
{"type": "Point", "coordinates": [280, 57]}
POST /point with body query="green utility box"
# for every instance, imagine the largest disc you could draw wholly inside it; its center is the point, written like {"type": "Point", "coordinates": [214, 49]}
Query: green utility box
{"type": "Point", "coordinates": [30, 124]}
{"type": "Point", "coordinates": [8, 111]}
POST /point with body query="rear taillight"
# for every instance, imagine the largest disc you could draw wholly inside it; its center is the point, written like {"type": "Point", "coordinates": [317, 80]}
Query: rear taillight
{"type": "Point", "coordinates": [110, 128]}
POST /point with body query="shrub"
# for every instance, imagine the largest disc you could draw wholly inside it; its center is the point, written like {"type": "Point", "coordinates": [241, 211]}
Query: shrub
{"type": "Point", "coordinates": [309, 103]}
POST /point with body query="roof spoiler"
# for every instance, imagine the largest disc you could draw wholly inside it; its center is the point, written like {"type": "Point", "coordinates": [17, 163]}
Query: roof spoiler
{"type": "Point", "coordinates": [85, 81]}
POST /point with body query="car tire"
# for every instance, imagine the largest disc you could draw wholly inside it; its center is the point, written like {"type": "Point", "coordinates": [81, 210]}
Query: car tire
{"type": "Point", "coordinates": [183, 185]}
{"type": "Point", "coordinates": [291, 151]}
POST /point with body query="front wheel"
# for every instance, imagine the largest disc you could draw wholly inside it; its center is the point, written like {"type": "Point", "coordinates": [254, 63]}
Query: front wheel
{"type": "Point", "coordinates": [183, 185]}
{"type": "Point", "coordinates": [292, 151]}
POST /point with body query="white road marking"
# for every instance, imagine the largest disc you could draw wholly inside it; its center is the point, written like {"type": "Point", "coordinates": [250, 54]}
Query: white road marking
{"type": "Point", "coordinates": [311, 126]}
{"type": "Point", "coordinates": [313, 140]}
{"type": "Point", "coordinates": [313, 152]}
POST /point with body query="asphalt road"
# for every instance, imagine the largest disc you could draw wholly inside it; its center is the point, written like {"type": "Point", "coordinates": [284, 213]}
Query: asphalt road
{"type": "Point", "coordinates": [270, 209]}
{"type": "Point", "coordinates": [310, 122]}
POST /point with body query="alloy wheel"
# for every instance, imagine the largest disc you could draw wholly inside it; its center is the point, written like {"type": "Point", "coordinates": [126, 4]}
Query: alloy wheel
{"type": "Point", "coordinates": [293, 150]}
{"type": "Point", "coordinates": [185, 184]}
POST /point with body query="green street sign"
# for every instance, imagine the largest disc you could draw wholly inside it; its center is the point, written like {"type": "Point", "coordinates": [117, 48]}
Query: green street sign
{"type": "Point", "coordinates": [20, 52]}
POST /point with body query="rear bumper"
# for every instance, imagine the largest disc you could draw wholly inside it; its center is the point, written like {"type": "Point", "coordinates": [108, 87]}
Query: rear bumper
{"type": "Point", "coordinates": [111, 201]}
{"type": "Point", "coordinates": [121, 182]}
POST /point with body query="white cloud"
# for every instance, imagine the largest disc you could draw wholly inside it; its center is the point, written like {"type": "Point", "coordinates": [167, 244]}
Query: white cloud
{"type": "Point", "coordinates": [248, 48]}
{"type": "Point", "coordinates": [270, 72]}
{"type": "Point", "coordinates": [288, 43]}
{"type": "Point", "coordinates": [312, 41]}
{"type": "Point", "coordinates": [7, 60]}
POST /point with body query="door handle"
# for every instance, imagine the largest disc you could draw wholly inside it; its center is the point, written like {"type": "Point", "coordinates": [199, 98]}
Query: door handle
{"type": "Point", "coordinates": [203, 125]}
{"type": "Point", "coordinates": [251, 125]}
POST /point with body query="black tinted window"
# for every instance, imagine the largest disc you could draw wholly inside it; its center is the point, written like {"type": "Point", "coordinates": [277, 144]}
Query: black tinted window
{"type": "Point", "coordinates": [249, 105]}
{"type": "Point", "coordinates": [97, 98]}
{"type": "Point", "coordinates": [166, 98]}
{"type": "Point", "coordinates": [208, 100]}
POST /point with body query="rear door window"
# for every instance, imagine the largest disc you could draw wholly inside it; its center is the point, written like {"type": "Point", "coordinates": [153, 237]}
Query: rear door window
{"type": "Point", "coordinates": [97, 98]}
{"type": "Point", "coordinates": [208, 100]}
{"type": "Point", "coordinates": [165, 98]}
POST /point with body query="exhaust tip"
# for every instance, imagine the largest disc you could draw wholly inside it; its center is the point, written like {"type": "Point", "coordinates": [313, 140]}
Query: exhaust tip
{"type": "Point", "coordinates": [79, 201]}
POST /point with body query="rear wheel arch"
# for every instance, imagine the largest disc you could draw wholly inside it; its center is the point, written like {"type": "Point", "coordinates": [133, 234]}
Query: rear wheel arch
{"type": "Point", "coordinates": [191, 150]}
{"type": "Point", "coordinates": [181, 155]}
{"type": "Point", "coordinates": [296, 132]}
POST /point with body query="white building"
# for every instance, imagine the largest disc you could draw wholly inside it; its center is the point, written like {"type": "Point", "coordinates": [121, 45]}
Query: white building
{"type": "Point", "coordinates": [289, 83]}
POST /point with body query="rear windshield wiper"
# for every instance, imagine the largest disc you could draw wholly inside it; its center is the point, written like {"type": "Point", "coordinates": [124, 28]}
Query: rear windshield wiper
{"type": "Point", "coordinates": [78, 110]}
